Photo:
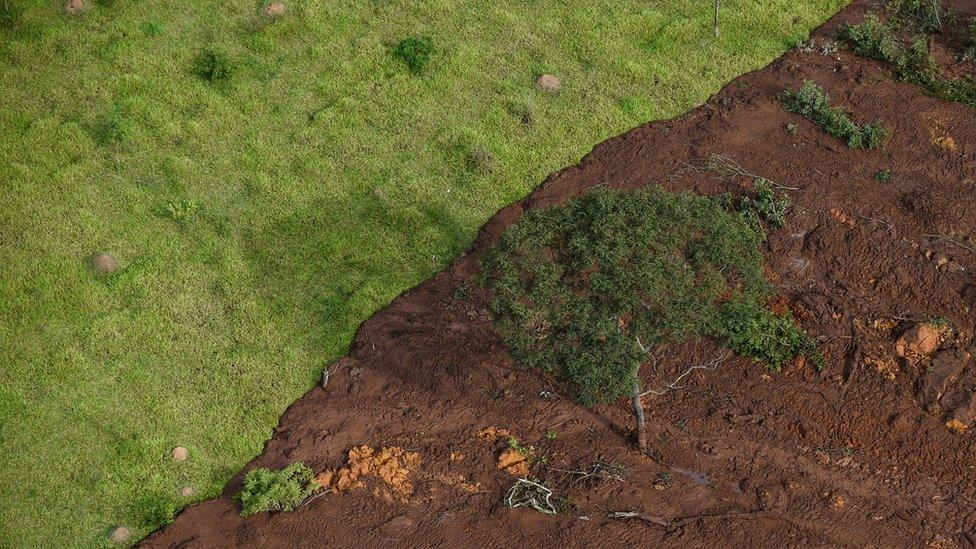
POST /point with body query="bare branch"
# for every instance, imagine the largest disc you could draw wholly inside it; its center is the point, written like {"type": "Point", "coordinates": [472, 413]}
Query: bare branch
{"type": "Point", "coordinates": [673, 385]}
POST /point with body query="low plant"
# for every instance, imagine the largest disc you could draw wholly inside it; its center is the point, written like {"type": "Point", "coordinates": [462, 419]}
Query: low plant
{"type": "Point", "coordinates": [969, 54]}
{"type": "Point", "coordinates": [525, 450]}
{"type": "Point", "coordinates": [152, 27]}
{"type": "Point", "coordinates": [791, 128]}
{"type": "Point", "coordinates": [213, 65]}
{"type": "Point", "coordinates": [281, 490]}
{"type": "Point", "coordinates": [765, 206]}
{"type": "Point", "coordinates": [925, 16]}
{"type": "Point", "coordinates": [813, 102]}
{"type": "Point", "coordinates": [586, 290]}
{"type": "Point", "coordinates": [11, 14]}
{"type": "Point", "coordinates": [180, 211]}
{"type": "Point", "coordinates": [911, 61]}
{"type": "Point", "coordinates": [415, 52]}
{"type": "Point", "coordinates": [883, 176]}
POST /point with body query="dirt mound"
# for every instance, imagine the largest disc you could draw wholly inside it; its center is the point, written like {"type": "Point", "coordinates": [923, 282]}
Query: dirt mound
{"type": "Point", "coordinates": [874, 449]}
{"type": "Point", "coordinates": [391, 466]}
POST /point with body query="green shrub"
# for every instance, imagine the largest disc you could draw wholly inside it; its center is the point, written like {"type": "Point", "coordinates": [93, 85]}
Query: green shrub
{"type": "Point", "coordinates": [156, 509]}
{"type": "Point", "coordinates": [883, 176]}
{"type": "Point", "coordinates": [583, 290]}
{"type": "Point", "coordinates": [415, 52]}
{"type": "Point", "coordinates": [281, 490]}
{"type": "Point", "coordinates": [912, 62]}
{"type": "Point", "coordinates": [925, 16]}
{"type": "Point", "coordinates": [180, 211]}
{"type": "Point", "coordinates": [969, 54]}
{"type": "Point", "coordinates": [213, 65]}
{"type": "Point", "coordinates": [812, 102]}
{"type": "Point", "coordinates": [765, 206]}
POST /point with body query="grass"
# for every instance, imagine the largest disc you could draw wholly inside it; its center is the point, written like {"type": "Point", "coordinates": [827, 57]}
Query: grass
{"type": "Point", "coordinates": [323, 178]}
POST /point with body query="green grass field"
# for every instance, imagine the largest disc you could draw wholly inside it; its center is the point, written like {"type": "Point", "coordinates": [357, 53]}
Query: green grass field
{"type": "Point", "coordinates": [260, 220]}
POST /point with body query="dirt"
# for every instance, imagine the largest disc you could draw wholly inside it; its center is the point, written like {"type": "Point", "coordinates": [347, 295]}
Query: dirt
{"type": "Point", "coordinates": [548, 83]}
{"type": "Point", "coordinates": [875, 450]}
{"type": "Point", "coordinates": [103, 263]}
{"type": "Point", "coordinates": [275, 10]}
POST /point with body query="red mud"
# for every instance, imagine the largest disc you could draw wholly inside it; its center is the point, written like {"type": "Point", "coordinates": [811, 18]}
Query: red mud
{"type": "Point", "coordinates": [859, 454]}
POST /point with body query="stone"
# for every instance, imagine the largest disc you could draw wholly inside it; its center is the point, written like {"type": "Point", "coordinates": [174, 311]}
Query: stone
{"type": "Point", "coordinates": [103, 263]}
{"type": "Point", "coordinates": [275, 9]}
{"type": "Point", "coordinates": [120, 534]}
{"type": "Point", "coordinates": [548, 83]}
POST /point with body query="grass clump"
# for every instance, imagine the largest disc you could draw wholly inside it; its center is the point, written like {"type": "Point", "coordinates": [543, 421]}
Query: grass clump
{"type": "Point", "coordinates": [813, 102]}
{"type": "Point", "coordinates": [584, 290]}
{"type": "Point", "coordinates": [883, 176]}
{"type": "Point", "coordinates": [969, 54]}
{"type": "Point", "coordinates": [281, 490]}
{"type": "Point", "coordinates": [213, 65]}
{"type": "Point", "coordinates": [415, 52]}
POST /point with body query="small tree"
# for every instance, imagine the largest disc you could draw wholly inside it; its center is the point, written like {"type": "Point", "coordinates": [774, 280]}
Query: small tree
{"type": "Point", "coordinates": [586, 290]}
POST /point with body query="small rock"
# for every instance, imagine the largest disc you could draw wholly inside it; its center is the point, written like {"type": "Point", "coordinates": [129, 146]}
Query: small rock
{"type": "Point", "coordinates": [120, 534]}
{"type": "Point", "coordinates": [945, 368]}
{"type": "Point", "coordinates": [180, 453]}
{"type": "Point", "coordinates": [186, 491]}
{"type": "Point", "coordinates": [963, 417]}
{"type": "Point", "coordinates": [920, 341]}
{"type": "Point", "coordinates": [103, 263]}
{"type": "Point", "coordinates": [548, 83]}
{"type": "Point", "coordinates": [275, 9]}
{"type": "Point", "coordinates": [74, 7]}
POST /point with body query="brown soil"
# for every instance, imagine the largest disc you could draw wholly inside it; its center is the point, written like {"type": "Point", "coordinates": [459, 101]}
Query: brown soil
{"type": "Point", "coordinates": [872, 451]}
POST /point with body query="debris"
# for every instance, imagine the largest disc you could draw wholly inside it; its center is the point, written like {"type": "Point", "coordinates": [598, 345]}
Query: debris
{"type": "Point", "coordinates": [527, 493]}
{"type": "Point", "coordinates": [513, 462]}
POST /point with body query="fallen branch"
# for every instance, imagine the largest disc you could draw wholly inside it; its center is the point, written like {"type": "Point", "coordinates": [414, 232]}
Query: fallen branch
{"type": "Point", "coordinates": [673, 385]}
{"type": "Point", "coordinates": [726, 167]}
{"type": "Point", "coordinates": [950, 239]}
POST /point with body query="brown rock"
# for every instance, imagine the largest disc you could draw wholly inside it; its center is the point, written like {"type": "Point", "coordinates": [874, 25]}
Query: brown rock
{"type": "Point", "coordinates": [74, 7]}
{"type": "Point", "coordinates": [120, 534]}
{"type": "Point", "coordinates": [275, 9]}
{"type": "Point", "coordinates": [548, 83]}
{"type": "Point", "coordinates": [946, 366]}
{"type": "Point", "coordinates": [103, 263]}
{"type": "Point", "coordinates": [963, 417]}
{"type": "Point", "coordinates": [920, 341]}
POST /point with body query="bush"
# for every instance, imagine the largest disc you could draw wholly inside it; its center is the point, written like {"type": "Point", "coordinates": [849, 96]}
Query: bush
{"type": "Point", "coordinates": [912, 63]}
{"type": "Point", "coordinates": [812, 102]}
{"type": "Point", "coordinates": [281, 490]}
{"type": "Point", "coordinates": [414, 52]}
{"type": "Point", "coordinates": [581, 291]}
{"type": "Point", "coordinates": [213, 66]}
{"type": "Point", "coordinates": [925, 16]}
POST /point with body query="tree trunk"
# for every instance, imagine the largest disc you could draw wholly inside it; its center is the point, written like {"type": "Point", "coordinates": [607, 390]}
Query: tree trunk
{"type": "Point", "coordinates": [636, 400]}
{"type": "Point", "coordinates": [717, 3]}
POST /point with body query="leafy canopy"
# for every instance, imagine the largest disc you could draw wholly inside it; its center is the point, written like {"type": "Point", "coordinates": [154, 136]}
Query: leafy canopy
{"type": "Point", "coordinates": [582, 290]}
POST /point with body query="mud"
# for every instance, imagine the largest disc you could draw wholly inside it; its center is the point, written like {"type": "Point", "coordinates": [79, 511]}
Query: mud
{"type": "Point", "coordinates": [872, 451]}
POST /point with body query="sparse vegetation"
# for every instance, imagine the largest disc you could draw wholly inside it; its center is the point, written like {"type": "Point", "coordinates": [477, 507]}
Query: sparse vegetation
{"type": "Point", "coordinates": [116, 126]}
{"type": "Point", "coordinates": [281, 490]}
{"type": "Point", "coordinates": [791, 128]}
{"type": "Point", "coordinates": [883, 176]}
{"type": "Point", "coordinates": [180, 211]}
{"type": "Point", "coordinates": [536, 495]}
{"type": "Point", "coordinates": [911, 62]}
{"type": "Point", "coordinates": [584, 291]}
{"type": "Point", "coordinates": [765, 206]}
{"type": "Point", "coordinates": [923, 16]}
{"type": "Point", "coordinates": [812, 102]}
{"type": "Point", "coordinates": [415, 52]}
{"type": "Point", "coordinates": [969, 54]}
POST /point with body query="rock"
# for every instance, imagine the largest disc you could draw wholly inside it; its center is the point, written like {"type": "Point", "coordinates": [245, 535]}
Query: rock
{"type": "Point", "coordinates": [946, 366]}
{"type": "Point", "coordinates": [548, 83]}
{"type": "Point", "coordinates": [186, 491]}
{"type": "Point", "coordinates": [103, 263]}
{"type": "Point", "coordinates": [180, 453]}
{"type": "Point", "coordinates": [75, 7]}
{"type": "Point", "coordinates": [275, 9]}
{"type": "Point", "coordinates": [513, 463]}
{"type": "Point", "coordinates": [962, 418]}
{"type": "Point", "coordinates": [920, 341]}
{"type": "Point", "coordinates": [120, 534]}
